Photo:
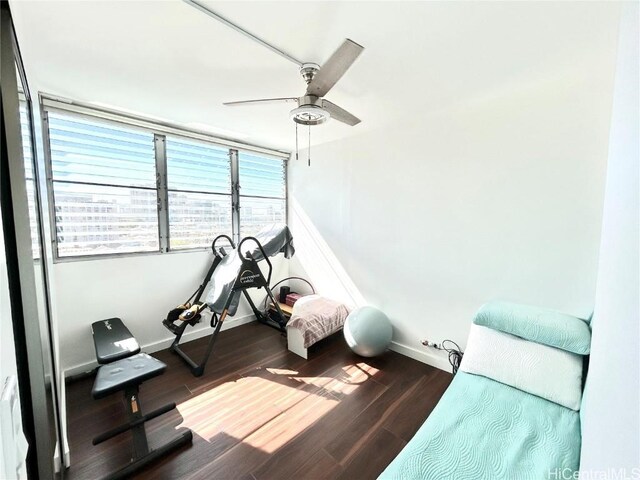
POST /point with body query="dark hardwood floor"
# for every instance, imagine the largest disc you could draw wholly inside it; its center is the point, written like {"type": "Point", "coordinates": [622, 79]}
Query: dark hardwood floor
{"type": "Point", "coordinates": [261, 412]}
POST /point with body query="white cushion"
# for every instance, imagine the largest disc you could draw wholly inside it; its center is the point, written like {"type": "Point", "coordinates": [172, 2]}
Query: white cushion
{"type": "Point", "coordinates": [538, 369]}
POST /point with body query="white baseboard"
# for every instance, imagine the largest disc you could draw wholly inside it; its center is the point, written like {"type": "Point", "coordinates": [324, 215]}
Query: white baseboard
{"type": "Point", "coordinates": [192, 334]}
{"type": "Point", "coordinates": [430, 358]}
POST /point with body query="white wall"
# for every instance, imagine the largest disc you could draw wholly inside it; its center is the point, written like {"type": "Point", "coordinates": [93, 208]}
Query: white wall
{"type": "Point", "coordinates": [497, 197]}
{"type": "Point", "coordinates": [138, 289]}
{"type": "Point", "coordinates": [611, 417]}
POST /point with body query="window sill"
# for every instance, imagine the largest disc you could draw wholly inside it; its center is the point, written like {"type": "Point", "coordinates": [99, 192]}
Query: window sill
{"type": "Point", "coordinates": [111, 256]}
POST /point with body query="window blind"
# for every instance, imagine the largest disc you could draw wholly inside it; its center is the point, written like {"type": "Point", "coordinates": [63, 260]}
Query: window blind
{"type": "Point", "coordinates": [261, 176]}
{"type": "Point", "coordinates": [197, 167]}
{"type": "Point", "coordinates": [104, 186]}
{"type": "Point", "coordinates": [199, 193]}
{"type": "Point", "coordinates": [262, 192]}
{"type": "Point", "coordinates": [119, 186]}
{"type": "Point", "coordinates": [88, 151]}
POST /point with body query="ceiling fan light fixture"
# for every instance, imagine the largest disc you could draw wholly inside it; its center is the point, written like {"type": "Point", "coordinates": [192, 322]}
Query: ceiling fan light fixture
{"type": "Point", "coordinates": [309, 115]}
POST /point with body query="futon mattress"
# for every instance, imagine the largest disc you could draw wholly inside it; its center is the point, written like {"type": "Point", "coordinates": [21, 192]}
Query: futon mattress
{"type": "Point", "coordinates": [483, 429]}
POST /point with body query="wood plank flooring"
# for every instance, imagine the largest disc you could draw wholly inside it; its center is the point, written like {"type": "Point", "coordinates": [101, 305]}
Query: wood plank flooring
{"type": "Point", "coordinates": [260, 412]}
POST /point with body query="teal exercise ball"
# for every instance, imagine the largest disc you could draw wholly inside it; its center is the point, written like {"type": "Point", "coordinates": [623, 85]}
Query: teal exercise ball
{"type": "Point", "coordinates": [367, 331]}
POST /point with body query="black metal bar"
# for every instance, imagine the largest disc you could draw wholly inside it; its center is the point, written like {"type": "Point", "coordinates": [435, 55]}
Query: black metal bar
{"type": "Point", "coordinates": [226, 237]}
{"type": "Point", "coordinates": [185, 357]}
{"type": "Point", "coordinates": [199, 370]}
{"type": "Point", "coordinates": [134, 413]}
{"type": "Point", "coordinates": [256, 312]}
{"type": "Point", "coordinates": [265, 318]}
{"type": "Point", "coordinates": [139, 463]}
{"type": "Point", "coordinates": [178, 334]}
{"type": "Point", "coordinates": [283, 321]}
{"type": "Point", "coordinates": [103, 437]}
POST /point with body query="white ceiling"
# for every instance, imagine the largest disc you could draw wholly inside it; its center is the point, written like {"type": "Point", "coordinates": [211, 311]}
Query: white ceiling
{"type": "Point", "coordinates": [166, 59]}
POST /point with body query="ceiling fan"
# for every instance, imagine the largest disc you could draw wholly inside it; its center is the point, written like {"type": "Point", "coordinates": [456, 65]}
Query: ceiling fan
{"type": "Point", "coordinates": [313, 108]}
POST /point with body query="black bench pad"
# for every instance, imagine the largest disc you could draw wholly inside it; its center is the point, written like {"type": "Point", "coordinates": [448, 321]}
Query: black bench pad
{"type": "Point", "coordinates": [128, 372]}
{"type": "Point", "coordinates": [113, 341]}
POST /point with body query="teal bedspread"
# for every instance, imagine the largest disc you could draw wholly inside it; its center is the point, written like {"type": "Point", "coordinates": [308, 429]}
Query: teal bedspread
{"type": "Point", "coordinates": [483, 429]}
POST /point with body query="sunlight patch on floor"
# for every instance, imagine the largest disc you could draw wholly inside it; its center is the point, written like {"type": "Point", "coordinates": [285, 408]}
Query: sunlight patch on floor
{"type": "Point", "coordinates": [290, 424]}
{"type": "Point", "coordinates": [281, 371]}
{"type": "Point", "coordinates": [270, 406]}
{"type": "Point", "coordinates": [236, 408]}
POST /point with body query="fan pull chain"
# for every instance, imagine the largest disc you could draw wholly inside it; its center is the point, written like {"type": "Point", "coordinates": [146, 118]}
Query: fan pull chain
{"type": "Point", "coordinates": [309, 151]}
{"type": "Point", "coordinates": [296, 140]}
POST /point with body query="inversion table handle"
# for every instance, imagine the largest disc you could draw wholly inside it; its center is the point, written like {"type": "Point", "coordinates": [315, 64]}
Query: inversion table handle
{"type": "Point", "coordinates": [264, 255]}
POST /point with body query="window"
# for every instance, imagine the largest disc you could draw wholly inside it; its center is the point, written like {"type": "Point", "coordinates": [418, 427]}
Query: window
{"type": "Point", "coordinates": [199, 193]}
{"type": "Point", "coordinates": [104, 187]}
{"type": "Point", "coordinates": [262, 192]}
{"type": "Point", "coordinates": [27, 153]}
{"type": "Point", "coordinates": [129, 187]}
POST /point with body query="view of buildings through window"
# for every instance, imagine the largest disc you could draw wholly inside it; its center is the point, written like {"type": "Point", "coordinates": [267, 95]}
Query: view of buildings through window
{"type": "Point", "coordinates": [104, 186]}
{"type": "Point", "coordinates": [109, 198]}
{"type": "Point", "coordinates": [199, 191]}
{"type": "Point", "coordinates": [262, 193]}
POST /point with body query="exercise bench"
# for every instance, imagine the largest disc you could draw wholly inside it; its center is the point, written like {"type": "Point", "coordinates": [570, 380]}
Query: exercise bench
{"type": "Point", "coordinates": [124, 369]}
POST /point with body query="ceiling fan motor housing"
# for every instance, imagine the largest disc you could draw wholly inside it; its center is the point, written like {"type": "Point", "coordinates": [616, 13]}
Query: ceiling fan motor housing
{"type": "Point", "coordinates": [308, 71]}
{"type": "Point", "coordinates": [309, 111]}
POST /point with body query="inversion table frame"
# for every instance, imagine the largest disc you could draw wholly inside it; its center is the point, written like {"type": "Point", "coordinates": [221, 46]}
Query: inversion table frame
{"type": "Point", "coordinates": [249, 276]}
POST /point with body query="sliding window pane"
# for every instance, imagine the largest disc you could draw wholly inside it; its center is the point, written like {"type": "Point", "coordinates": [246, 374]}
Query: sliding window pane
{"type": "Point", "coordinates": [27, 154]}
{"type": "Point", "coordinates": [33, 219]}
{"type": "Point", "coordinates": [197, 167]}
{"type": "Point", "coordinates": [195, 219]}
{"type": "Point", "coordinates": [92, 219]}
{"type": "Point", "coordinates": [261, 176]}
{"type": "Point", "coordinates": [256, 213]}
{"type": "Point", "coordinates": [25, 129]}
{"type": "Point", "coordinates": [87, 150]}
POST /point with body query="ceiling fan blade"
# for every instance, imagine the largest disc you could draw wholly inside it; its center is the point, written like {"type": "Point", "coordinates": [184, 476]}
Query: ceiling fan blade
{"type": "Point", "coordinates": [334, 68]}
{"type": "Point", "coordinates": [339, 113]}
{"type": "Point", "coordinates": [262, 100]}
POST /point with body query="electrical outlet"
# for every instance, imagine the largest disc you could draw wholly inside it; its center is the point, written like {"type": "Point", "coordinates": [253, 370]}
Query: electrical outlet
{"type": "Point", "coordinates": [427, 343]}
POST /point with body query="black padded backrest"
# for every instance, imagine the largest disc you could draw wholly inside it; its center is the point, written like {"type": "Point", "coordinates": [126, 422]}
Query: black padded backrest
{"type": "Point", "coordinates": [126, 373]}
{"type": "Point", "coordinates": [113, 341]}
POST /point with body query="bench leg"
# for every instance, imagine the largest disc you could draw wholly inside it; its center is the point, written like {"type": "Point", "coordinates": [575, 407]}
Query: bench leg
{"type": "Point", "coordinates": [137, 465]}
{"type": "Point", "coordinates": [134, 414]}
{"type": "Point", "coordinates": [142, 456]}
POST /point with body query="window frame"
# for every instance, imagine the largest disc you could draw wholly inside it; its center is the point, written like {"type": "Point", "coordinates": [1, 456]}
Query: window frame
{"type": "Point", "coordinates": [240, 195]}
{"type": "Point", "coordinates": [160, 131]}
{"type": "Point", "coordinates": [25, 100]}
{"type": "Point", "coordinates": [164, 180]}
